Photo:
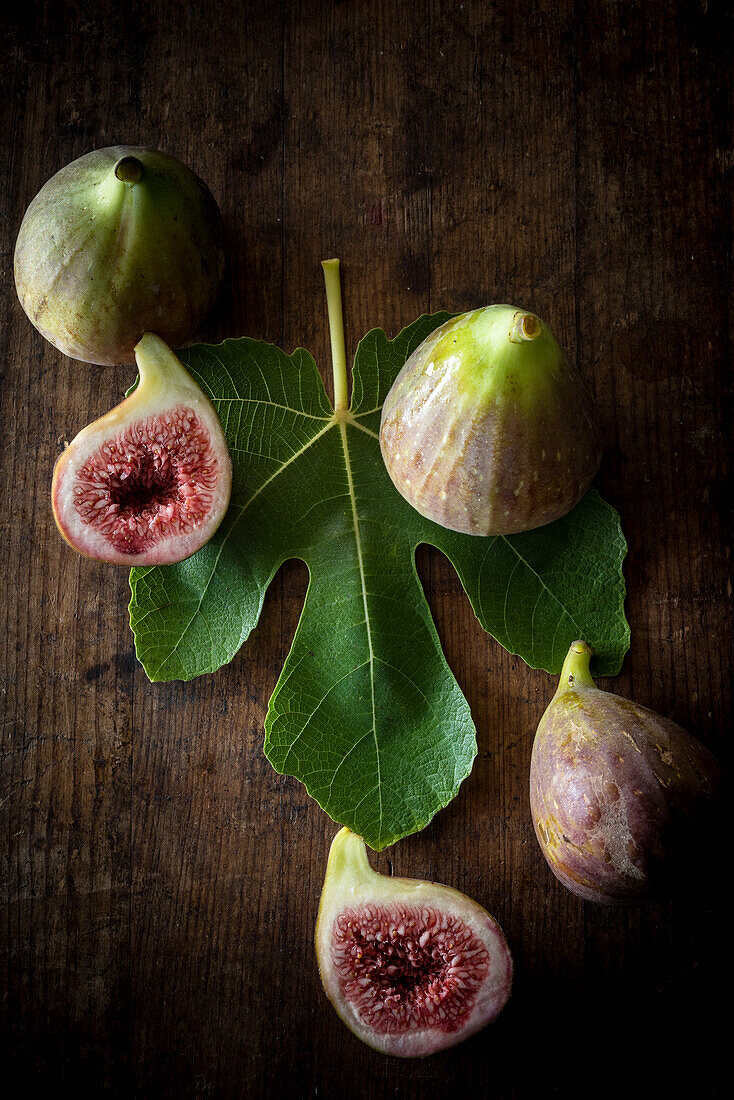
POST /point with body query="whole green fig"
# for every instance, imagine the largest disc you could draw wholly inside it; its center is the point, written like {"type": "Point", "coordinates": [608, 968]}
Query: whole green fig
{"type": "Point", "coordinates": [122, 241]}
{"type": "Point", "coordinates": [488, 429]}
{"type": "Point", "coordinates": [623, 800]}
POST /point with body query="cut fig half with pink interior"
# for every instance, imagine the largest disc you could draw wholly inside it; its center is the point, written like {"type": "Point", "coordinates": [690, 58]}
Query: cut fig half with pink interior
{"type": "Point", "coordinates": [149, 482]}
{"type": "Point", "coordinates": [411, 967]}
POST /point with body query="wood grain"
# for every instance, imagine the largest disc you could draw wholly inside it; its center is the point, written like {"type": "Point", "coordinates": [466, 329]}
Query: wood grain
{"type": "Point", "coordinates": [159, 882]}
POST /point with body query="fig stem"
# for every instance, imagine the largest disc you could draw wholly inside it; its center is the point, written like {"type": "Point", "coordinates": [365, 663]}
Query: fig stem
{"type": "Point", "coordinates": [575, 669]}
{"type": "Point", "coordinates": [129, 170]}
{"type": "Point", "coordinates": [336, 331]}
{"type": "Point", "coordinates": [525, 326]}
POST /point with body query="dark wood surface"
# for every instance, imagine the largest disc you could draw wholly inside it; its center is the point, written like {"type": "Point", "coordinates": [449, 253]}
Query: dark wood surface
{"type": "Point", "coordinates": [160, 882]}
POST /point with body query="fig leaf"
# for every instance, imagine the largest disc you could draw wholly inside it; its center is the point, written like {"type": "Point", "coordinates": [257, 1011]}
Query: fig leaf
{"type": "Point", "coordinates": [366, 712]}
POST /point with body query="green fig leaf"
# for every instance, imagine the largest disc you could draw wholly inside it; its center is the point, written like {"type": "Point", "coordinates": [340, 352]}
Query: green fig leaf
{"type": "Point", "coordinates": [366, 712]}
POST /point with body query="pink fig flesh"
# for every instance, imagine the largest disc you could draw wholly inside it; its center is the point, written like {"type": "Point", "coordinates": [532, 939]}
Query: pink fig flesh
{"type": "Point", "coordinates": [622, 798]}
{"type": "Point", "coordinates": [149, 483]}
{"type": "Point", "coordinates": [411, 967]}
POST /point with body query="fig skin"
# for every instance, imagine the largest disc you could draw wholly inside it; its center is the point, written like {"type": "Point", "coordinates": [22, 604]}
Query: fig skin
{"type": "Point", "coordinates": [487, 429]}
{"type": "Point", "coordinates": [166, 399]}
{"type": "Point", "coordinates": [623, 800]}
{"type": "Point", "coordinates": [350, 885]}
{"type": "Point", "coordinates": [122, 241]}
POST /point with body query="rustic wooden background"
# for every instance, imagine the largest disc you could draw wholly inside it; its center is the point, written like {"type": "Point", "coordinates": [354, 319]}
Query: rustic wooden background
{"type": "Point", "coordinates": [159, 881]}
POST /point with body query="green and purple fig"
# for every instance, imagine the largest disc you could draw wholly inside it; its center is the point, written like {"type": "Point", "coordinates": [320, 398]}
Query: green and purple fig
{"type": "Point", "coordinates": [623, 800]}
{"type": "Point", "coordinates": [411, 967]}
{"type": "Point", "coordinates": [488, 429]}
{"type": "Point", "coordinates": [122, 241]}
{"type": "Point", "coordinates": [149, 482]}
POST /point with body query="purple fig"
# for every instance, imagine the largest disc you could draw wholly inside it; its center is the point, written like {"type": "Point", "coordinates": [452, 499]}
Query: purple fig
{"type": "Point", "coordinates": [122, 241]}
{"type": "Point", "coordinates": [488, 429]}
{"type": "Point", "coordinates": [149, 482]}
{"type": "Point", "coordinates": [411, 967]}
{"type": "Point", "coordinates": [622, 799]}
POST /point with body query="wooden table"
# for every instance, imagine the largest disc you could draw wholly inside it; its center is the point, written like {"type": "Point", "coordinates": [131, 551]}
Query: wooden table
{"type": "Point", "coordinates": [160, 882]}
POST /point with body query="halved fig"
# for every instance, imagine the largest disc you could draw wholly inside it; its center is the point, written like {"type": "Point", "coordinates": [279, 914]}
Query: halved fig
{"type": "Point", "coordinates": [122, 241]}
{"type": "Point", "coordinates": [411, 967]}
{"type": "Point", "coordinates": [623, 800]}
{"type": "Point", "coordinates": [149, 482]}
{"type": "Point", "coordinates": [488, 429]}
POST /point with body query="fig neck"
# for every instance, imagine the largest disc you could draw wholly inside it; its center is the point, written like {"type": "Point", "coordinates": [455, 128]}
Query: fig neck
{"type": "Point", "coordinates": [336, 331]}
{"type": "Point", "coordinates": [348, 862]}
{"type": "Point", "coordinates": [576, 672]}
{"type": "Point", "coordinates": [158, 367]}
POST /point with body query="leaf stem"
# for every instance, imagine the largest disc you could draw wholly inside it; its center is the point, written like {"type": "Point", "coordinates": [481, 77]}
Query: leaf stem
{"type": "Point", "coordinates": [336, 330]}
